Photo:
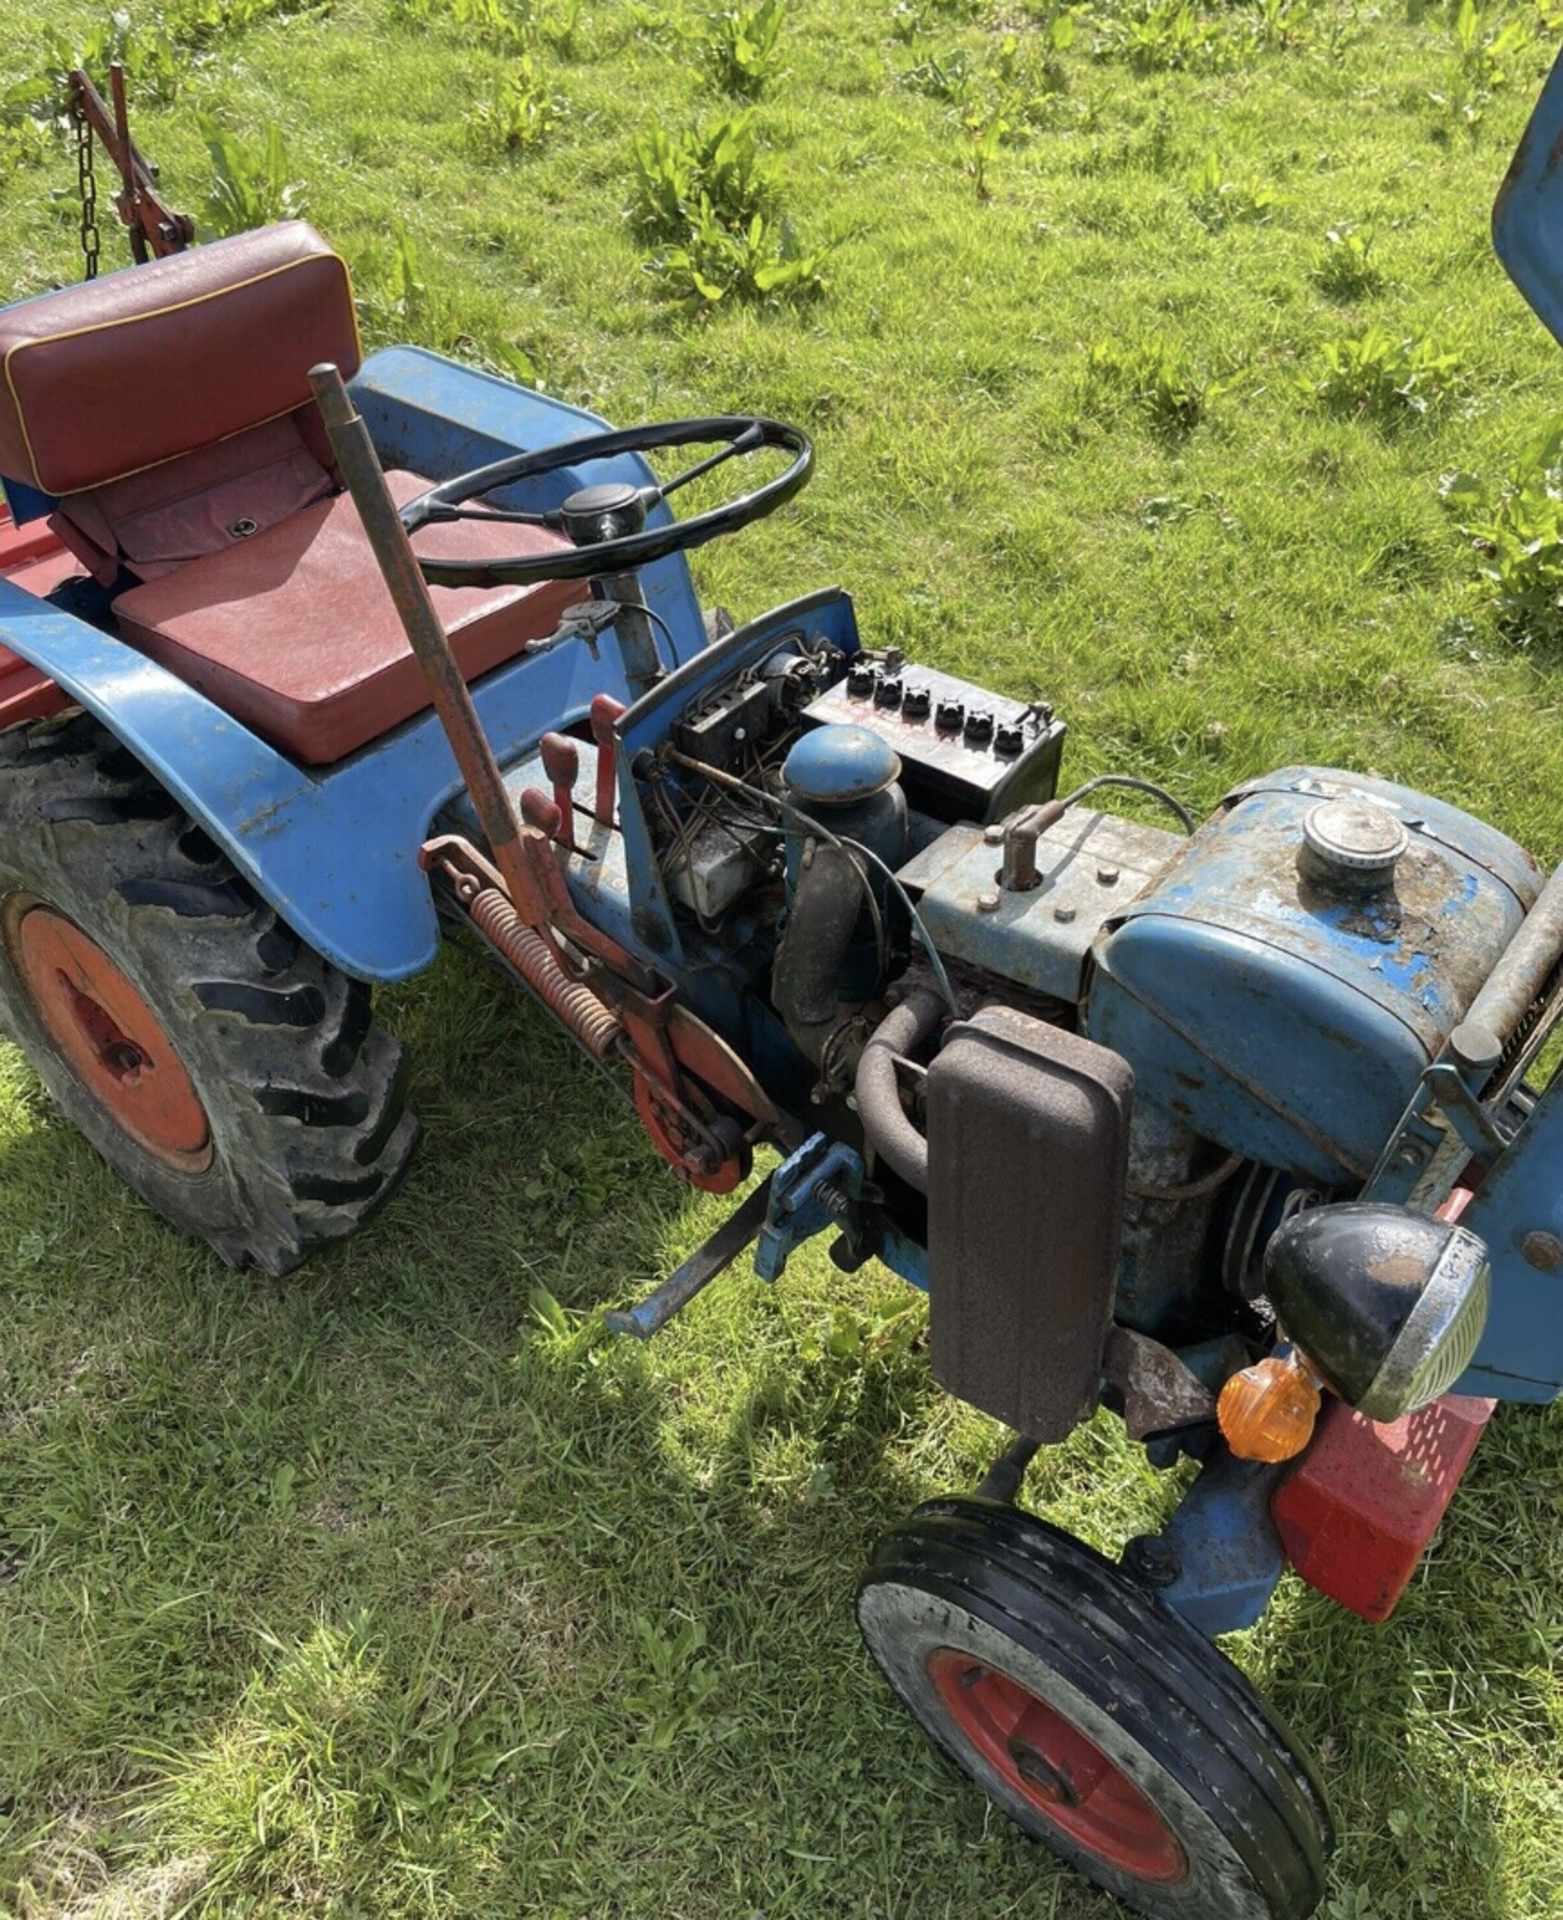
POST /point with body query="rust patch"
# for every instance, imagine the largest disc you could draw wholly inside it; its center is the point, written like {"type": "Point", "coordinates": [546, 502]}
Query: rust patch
{"type": "Point", "coordinates": [1396, 1269]}
{"type": "Point", "coordinates": [1543, 1251]}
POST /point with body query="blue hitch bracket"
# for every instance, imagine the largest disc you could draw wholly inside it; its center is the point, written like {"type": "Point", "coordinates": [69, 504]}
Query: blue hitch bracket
{"type": "Point", "coordinates": [1219, 1558]}
{"type": "Point", "coordinates": [814, 1189]}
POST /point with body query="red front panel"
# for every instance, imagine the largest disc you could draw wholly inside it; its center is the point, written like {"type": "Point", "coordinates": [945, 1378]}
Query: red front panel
{"type": "Point", "coordinates": [1357, 1512]}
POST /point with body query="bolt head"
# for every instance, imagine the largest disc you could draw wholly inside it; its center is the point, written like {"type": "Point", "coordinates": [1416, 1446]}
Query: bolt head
{"type": "Point", "coordinates": [994, 836]}
{"type": "Point", "coordinates": [1152, 1558]}
{"type": "Point", "coordinates": [1544, 1251]}
{"type": "Point", "coordinates": [987, 903]}
{"type": "Point", "coordinates": [1063, 915]}
{"type": "Point", "coordinates": [1108, 876]}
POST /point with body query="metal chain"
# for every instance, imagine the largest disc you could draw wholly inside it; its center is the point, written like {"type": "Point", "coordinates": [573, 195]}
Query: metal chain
{"type": "Point", "coordinates": [91, 242]}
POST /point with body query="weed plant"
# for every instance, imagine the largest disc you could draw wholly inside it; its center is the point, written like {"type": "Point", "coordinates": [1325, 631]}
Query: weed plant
{"type": "Point", "coordinates": [744, 47]}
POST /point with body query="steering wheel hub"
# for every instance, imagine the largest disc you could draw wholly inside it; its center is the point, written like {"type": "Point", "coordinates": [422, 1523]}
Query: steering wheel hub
{"type": "Point", "coordinates": [604, 512]}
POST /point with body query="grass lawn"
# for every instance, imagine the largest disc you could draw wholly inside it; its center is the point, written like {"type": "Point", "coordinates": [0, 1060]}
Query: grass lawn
{"type": "Point", "coordinates": [393, 1589]}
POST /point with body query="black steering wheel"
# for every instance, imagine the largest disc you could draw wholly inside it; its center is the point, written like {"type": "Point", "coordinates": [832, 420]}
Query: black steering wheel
{"type": "Point", "coordinates": [607, 523]}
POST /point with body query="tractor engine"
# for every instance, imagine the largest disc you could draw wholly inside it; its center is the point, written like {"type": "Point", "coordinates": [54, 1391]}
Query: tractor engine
{"type": "Point", "coordinates": [1166, 1042]}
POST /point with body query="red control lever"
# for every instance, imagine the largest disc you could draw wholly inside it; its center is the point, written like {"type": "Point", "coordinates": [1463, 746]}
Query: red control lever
{"type": "Point", "coordinates": [537, 810]}
{"type": "Point", "coordinates": [562, 764]}
{"type": "Point", "coordinates": [605, 712]}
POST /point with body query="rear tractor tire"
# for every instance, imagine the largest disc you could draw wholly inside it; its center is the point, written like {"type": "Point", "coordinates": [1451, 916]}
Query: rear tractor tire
{"type": "Point", "coordinates": [234, 1078]}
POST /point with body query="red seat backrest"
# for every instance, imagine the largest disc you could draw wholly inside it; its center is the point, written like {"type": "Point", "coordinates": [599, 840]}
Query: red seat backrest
{"type": "Point", "coordinates": [107, 379]}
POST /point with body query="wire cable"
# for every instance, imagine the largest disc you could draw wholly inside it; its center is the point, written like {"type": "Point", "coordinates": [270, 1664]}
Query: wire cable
{"type": "Point", "coordinates": [1139, 786]}
{"type": "Point", "coordinates": [788, 810]}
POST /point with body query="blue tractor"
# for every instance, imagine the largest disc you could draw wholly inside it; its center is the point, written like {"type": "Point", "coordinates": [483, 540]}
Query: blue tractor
{"type": "Point", "coordinates": [1227, 1125]}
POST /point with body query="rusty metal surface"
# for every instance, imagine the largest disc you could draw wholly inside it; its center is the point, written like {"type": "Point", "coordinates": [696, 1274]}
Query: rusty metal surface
{"type": "Point", "coordinates": [703, 1052]}
{"type": "Point", "coordinates": [561, 759]}
{"type": "Point", "coordinates": [1524, 968]}
{"type": "Point", "coordinates": [154, 227]}
{"type": "Point", "coordinates": [708, 1152]}
{"type": "Point", "coordinates": [593, 1024]}
{"type": "Point", "coordinates": [1159, 1392]}
{"type": "Point", "coordinates": [1092, 865]}
{"type": "Point", "coordinates": [605, 715]}
{"type": "Point", "coordinates": [1285, 1019]}
{"type": "Point", "coordinates": [360, 468]}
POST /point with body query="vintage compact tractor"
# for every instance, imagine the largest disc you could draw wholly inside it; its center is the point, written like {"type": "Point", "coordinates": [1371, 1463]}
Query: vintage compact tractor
{"type": "Point", "coordinates": [1225, 1126]}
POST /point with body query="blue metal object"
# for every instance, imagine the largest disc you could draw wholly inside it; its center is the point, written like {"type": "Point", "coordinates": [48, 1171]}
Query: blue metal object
{"type": "Point", "coordinates": [1221, 1547]}
{"type": "Point", "coordinates": [1089, 865]}
{"type": "Point", "coordinates": [839, 766]}
{"type": "Point", "coordinates": [815, 1189]}
{"type": "Point", "coordinates": [1287, 1021]}
{"type": "Point", "coordinates": [1518, 1212]}
{"type": "Point", "coordinates": [1527, 217]}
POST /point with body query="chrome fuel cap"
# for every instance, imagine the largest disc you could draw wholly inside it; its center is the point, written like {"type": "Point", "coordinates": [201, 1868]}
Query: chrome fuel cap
{"type": "Point", "coordinates": [1353, 843]}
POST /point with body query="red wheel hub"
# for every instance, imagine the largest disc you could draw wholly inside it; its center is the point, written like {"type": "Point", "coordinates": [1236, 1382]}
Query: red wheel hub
{"type": "Point", "coordinates": [1050, 1763]}
{"type": "Point", "coordinates": [110, 1037]}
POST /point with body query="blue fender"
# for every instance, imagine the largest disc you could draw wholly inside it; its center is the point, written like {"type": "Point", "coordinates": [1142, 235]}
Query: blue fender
{"type": "Point", "coordinates": [1527, 216]}
{"type": "Point", "coordinates": [334, 849]}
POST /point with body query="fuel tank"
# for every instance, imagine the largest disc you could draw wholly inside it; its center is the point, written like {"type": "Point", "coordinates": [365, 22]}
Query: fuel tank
{"type": "Point", "coordinates": [1281, 985]}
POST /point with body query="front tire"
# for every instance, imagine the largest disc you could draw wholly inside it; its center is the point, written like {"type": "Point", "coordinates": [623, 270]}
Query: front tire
{"type": "Point", "coordinates": [1095, 1716]}
{"type": "Point", "coordinates": [234, 1078]}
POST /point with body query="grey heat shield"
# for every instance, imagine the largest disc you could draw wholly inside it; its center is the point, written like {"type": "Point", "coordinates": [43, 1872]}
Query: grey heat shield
{"type": "Point", "coordinates": [1028, 1146]}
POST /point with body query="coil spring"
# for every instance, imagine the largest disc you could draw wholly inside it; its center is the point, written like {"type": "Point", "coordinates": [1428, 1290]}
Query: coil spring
{"type": "Point", "coordinates": [596, 1027]}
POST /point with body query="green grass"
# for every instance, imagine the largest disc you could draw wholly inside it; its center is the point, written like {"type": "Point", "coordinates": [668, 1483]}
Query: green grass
{"type": "Point", "coordinates": [393, 1590]}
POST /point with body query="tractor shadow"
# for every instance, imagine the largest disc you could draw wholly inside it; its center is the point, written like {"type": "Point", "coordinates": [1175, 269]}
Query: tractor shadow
{"type": "Point", "coordinates": [657, 1544]}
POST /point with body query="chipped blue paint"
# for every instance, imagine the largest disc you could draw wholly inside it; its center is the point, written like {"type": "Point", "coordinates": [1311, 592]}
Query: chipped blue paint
{"type": "Point", "coordinates": [1281, 1020]}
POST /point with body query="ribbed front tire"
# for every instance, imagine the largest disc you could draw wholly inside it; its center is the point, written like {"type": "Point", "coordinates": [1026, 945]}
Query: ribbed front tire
{"type": "Point", "coordinates": [234, 1078]}
{"type": "Point", "coordinates": [1095, 1716]}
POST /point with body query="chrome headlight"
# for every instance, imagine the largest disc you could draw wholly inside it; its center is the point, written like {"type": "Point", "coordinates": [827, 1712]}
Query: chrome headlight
{"type": "Point", "coordinates": [1388, 1305]}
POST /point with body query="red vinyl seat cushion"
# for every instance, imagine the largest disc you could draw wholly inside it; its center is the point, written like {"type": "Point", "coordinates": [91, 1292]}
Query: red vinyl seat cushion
{"type": "Point", "coordinates": [294, 633]}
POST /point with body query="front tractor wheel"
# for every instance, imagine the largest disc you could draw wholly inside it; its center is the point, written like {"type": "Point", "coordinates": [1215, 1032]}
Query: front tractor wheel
{"type": "Point", "coordinates": [1095, 1716]}
{"type": "Point", "coordinates": [232, 1076]}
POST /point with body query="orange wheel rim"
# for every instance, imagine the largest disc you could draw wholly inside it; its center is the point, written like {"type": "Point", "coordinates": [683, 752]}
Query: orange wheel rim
{"type": "Point", "coordinates": [109, 1037]}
